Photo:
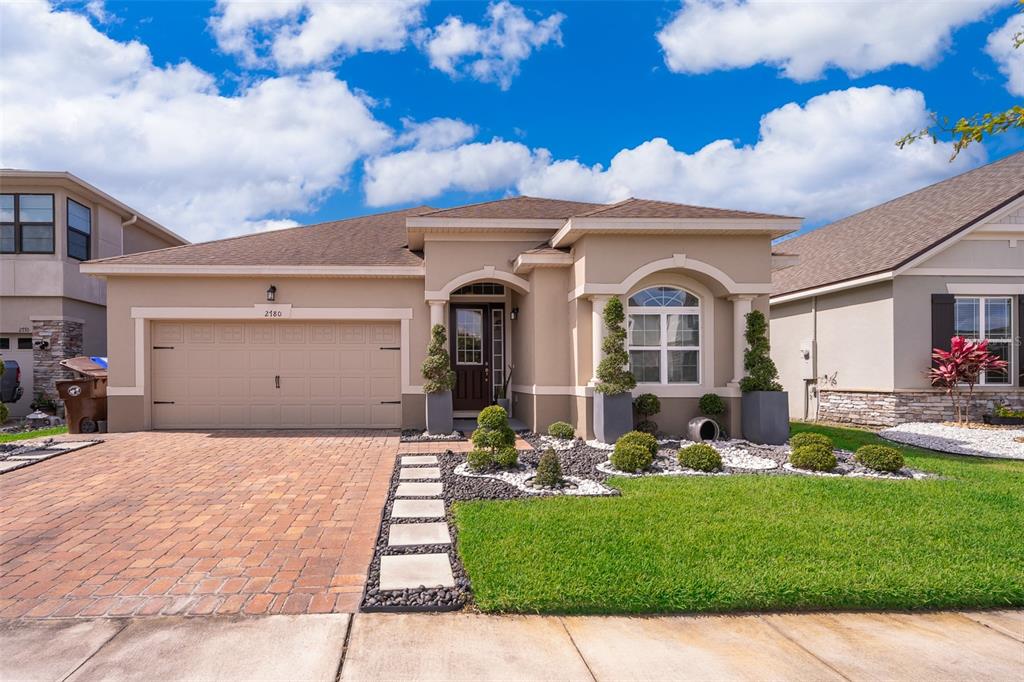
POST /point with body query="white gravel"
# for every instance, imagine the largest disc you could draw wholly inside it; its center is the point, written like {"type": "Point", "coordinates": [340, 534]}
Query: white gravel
{"type": "Point", "coordinates": [557, 444]}
{"type": "Point", "coordinates": [518, 479]}
{"type": "Point", "coordinates": [961, 441]}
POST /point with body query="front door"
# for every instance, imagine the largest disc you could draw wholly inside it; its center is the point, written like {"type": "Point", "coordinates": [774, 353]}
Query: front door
{"type": "Point", "coordinates": [471, 357]}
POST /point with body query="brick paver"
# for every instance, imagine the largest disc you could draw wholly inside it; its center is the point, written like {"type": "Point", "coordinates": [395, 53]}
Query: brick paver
{"type": "Point", "coordinates": [195, 524]}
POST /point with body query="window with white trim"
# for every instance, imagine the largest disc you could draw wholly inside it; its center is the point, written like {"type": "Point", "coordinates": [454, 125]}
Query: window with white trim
{"type": "Point", "coordinates": [663, 336]}
{"type": "Point", "coordinates": [987, 317]}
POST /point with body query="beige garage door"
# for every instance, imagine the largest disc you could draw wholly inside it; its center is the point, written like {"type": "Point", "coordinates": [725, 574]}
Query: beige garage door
{"type": "Point", "coordinates": [276, 375]}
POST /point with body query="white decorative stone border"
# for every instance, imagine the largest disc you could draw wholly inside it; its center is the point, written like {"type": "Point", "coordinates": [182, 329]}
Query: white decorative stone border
{"type": "Point", "coordinates": [807, 472]}
{"type": "Point", "coordinates": [556, 444]}
{"type": "Point", "coordinates": [518, 479]}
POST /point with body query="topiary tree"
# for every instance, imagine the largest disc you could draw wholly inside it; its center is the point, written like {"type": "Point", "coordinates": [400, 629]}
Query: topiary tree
{"type": "Point", "coordinates": [549, 471]}
{"type": "Point", "coordinates": [711, 404]}
{"type": "Point", "coordinates": [612, 372]}
{"type": "Point", "coordinates": [762, 375]}
{"type": "Point", "coordinates": [647, 405]}
{"type": "Point", "coordinates": [494, 440]}
{"type": "Point", "coordinates": [437, 369]}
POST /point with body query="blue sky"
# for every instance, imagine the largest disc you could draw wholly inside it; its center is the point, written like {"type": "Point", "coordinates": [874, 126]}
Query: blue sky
{"type": "Point", "coordinates": [596, 82]}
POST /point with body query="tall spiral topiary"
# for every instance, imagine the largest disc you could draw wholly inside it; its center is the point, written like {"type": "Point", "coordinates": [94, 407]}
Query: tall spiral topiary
{"type": "Point", "coordinates": [437, 368]}
{"type": "Point", "coordinates": [612, 372]}
{"type": "Point", "coordinates": [762, 375]}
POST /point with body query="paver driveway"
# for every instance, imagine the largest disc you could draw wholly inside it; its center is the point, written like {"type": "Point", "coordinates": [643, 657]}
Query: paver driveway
{"type": "Point", "coordinates": [194, 523]}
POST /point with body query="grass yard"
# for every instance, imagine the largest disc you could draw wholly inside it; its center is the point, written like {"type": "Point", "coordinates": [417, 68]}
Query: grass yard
{"type": "Point", "coordinates": [38, 433]}
{"type": "Point", "coordinates": [742, 543]}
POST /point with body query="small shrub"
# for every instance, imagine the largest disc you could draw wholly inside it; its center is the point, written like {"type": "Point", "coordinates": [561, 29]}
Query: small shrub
{"type": "Point", "coordinates": [798, 440]}
{"type": "Point", "coordinates": [4, 413]}
{"type": "Point", "coordinates": [879, 457]}
{"type": "Point", "coordinates": [493, 439]}
{"type": "Point", "coordinates": [562, 430]}
{"type": "Point", "coordinates": [506, 458]}
{"type": "Point", "coordinates": [700, 457]}
{"type": "Point", "coordinates": [479, 460]}
{"type": "Point", "coordinates": [647, 404]}
{"type": "Point", "coordinates": [630, 457]}
{"type": "Point", "coordinates": [644, 440]}
{"type": "Point", "coordinates": [813, 458]}
{"type": "Point", "coordinates": [549, 471]}
{"type": "Point", "coordinates": [711, 404]}
{"type": "Point", "coordinates": [1008, 412]}
{"type": "Point", "coordinates": [493, 417]}
{"type": "Point", "coordinates": [647, 426]}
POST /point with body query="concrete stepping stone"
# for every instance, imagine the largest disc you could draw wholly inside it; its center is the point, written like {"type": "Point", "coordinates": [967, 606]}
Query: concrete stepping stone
{"type": "Point", "coordinates": [409, 571]}
{"type": "Point", "coordinates": [418, 509]}
{"type": "Point", "coordinates": [407, 473]}
{"type": "Point", "coordinates": [417, 460]}
{"type": "Point", "coordinates": [402, 534]}
{"type": "Point", "coordinates": [418, 490]}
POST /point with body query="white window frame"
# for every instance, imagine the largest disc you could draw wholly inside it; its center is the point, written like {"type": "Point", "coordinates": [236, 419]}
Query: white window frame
{"type": "Point", "coordinates": [1011, 368]}
{"type": "Point", "coordinates": [663, 348]}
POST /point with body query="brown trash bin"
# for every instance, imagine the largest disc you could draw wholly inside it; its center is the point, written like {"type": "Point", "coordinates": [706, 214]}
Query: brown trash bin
{"type": "Point", "coordinates": [85, 398]}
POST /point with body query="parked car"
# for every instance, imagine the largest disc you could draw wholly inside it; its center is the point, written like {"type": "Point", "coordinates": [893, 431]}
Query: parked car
{"type": "Point", "coordinates": [10, 382]}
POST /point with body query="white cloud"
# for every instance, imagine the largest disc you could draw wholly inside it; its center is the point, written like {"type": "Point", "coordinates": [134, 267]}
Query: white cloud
{"type": "Point", "coordinates": [823, 160]}
{"type": "Point", "coordinates": [803, 38]}
{"type": "Point", "coordinates": [490, 53]}
{"type": "Point", "coordinates": [164, 139]}
{"type": "Point", "coordinates": [302, 33]}
{"type": "Point", "coordinates": [437, 133]}
{"type": "Point", "coordinates": [420, 174]}
{"type": "Point", "coordinates": [1000, 47]}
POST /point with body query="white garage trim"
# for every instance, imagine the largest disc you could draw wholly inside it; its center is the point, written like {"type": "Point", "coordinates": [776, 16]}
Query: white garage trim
{"type": "Point", "coordinates": [260, 312]}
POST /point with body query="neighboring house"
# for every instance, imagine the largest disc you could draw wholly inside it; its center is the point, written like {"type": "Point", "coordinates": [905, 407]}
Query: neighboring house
{"type": "Point", "coordinates": [853, 324]}
{"type": "Point", "coordinates": [49, 223]}
{"type": "Point", "coordinates": [326, 326]}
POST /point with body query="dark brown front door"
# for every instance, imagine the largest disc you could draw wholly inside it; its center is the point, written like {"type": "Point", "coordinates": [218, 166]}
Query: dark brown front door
{"type": "Point", "coordinates": [471, 357]}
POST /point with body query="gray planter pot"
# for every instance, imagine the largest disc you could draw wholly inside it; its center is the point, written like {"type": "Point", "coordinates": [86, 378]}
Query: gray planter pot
{"type": "Point", "coordinates": [765, 417]}
{"type": "Point", "coordinates": [613, 416]}
{"type": "Point", "coordinates": [439, 413]}
{"type": "Point", "coordinates": [506, 404]}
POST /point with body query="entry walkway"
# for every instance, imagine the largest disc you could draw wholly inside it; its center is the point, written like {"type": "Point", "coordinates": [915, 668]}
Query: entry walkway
{"type": "Point", "coordinates": [861, 646]}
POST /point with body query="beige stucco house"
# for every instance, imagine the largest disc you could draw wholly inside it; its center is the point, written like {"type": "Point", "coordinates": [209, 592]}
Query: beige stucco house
{"type": "Point", "coordinates": [50, 222]}
{"type": "Point", "coordinates": [854, 322]}
{"type": "Point", "coordinates": [326, 326]}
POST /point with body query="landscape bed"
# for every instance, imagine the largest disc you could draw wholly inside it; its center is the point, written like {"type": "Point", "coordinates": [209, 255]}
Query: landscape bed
{"type": "Point", "coordinates": [754, 542]}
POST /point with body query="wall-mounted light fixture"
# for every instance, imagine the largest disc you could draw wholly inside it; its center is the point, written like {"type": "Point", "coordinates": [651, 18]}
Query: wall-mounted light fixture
{"type": "Point", "coordinates": [514, 314]}
{"type": "Point", "coordinates": [272, 293]}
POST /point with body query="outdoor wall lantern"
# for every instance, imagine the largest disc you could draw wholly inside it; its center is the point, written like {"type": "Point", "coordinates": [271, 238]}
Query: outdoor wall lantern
{"type": "Point", "coordinates": [514, 314]}
{"type": "Point", "coordinates": [272, 293]}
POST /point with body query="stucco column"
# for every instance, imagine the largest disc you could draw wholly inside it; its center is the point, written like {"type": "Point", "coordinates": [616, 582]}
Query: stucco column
{"type": "Point", "coordinates": [436, 312]}
{"type": "Point", "coordinates": [741, 305]}
{"type": "Point", "coordinates": [597, 332]}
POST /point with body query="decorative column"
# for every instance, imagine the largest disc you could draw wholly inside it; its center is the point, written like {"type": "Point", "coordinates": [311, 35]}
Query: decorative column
{"type": "Point", "coordinates": [741, 305]}
{"type": "Point", "coordinates": [436, 313]}
{"type": "Point", "coordinates": [597, 332]}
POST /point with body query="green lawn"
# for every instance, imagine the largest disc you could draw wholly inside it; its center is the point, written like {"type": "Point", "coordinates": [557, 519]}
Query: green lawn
{"type": "Point", "coordinates": [758, 542]}
{"type": "Point", "coordinates": [38, 433]}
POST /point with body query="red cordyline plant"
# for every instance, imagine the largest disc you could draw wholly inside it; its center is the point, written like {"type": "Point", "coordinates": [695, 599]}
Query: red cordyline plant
{"type": "Point", "coordinates": [962, 365]}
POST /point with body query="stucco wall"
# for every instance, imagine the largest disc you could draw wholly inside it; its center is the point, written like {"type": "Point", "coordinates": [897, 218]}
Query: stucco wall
{"type": "Point", "coordinates": [987, 254]}
{"type": "Point", "coordinates": [137, 239]}
{"type": "Point", "coordinates": [792, 327]}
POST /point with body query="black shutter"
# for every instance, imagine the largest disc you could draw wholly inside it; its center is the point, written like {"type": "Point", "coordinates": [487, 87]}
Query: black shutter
{"type": "Point", "coordinates": [1020, 340]}
{"type": "Point", "coordinates": [942, 321]}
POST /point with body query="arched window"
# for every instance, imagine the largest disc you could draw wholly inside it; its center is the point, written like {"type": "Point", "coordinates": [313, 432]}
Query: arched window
{"type": "Point", "coordinates": [664, 336]}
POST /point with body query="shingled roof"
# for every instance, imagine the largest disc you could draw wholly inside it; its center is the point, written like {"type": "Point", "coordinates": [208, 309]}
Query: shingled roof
{"type": "Point", "coordinates": [529, 208]}
{"type": "Point", "coordinates": [646, 208]}
{"type": "Point", "coordinates": [892, 234]}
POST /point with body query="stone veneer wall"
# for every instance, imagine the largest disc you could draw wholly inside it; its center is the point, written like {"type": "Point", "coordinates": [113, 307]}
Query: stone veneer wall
{"type": "Point", "coordinates": [65, 341]}
{"type": "Point", "coordinates": [880, 408]}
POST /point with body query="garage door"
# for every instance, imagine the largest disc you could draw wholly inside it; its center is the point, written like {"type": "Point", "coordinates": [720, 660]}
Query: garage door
{"type": "Point", "coordinates": [276, 375]}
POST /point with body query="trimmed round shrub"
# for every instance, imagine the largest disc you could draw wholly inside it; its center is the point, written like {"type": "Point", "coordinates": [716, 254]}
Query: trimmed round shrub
{"type": "Point", "coordinates": [493, 417]}
{"type": "Point", "coordinates": [506, 458]}
{"type": "Point", "coordinates": [700, 457]}
{"type": "Point", "coordinates": [711, 404]}
{"type": "Point", "coordinates": [799, 440]}
{"type": "Point", "coordinates": [631, 457]}
{"type": "Point", "coordinates": [562, 430]}
{"type": "Point", "coordinates": [647, 404]}
{"type": "Point", "coordinates": [813, 458]}
{"type": "Point", "coordinates": [879, 457]}
{"type": "Point", "coordinates": [494, 438]}
{"type": "Point", "coordinates": [549, 471]}
{"type": "Point", "coordinates": [479, 460]}
{"type": "Point", "coordinates": [644, 440]}
{"type": "Point", "coordinates": [647, 426]}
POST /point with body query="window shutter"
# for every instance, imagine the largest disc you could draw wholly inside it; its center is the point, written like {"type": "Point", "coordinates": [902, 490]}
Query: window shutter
{"type": "Point", "coordinates": [942, 321]}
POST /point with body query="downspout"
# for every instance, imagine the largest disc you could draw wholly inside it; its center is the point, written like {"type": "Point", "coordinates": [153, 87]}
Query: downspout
{"type": "Point", "coordinates": [127, 223]}
{"type": "Point", "coordinates": [814, 357]}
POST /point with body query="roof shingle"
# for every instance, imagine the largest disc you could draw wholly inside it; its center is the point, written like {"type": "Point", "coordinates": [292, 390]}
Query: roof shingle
{"type": "Point", "coordinates": [891, 234]}
{"type": "Point", "coordinates": [517, 207]}
{"type": "Point", "coordinates": [647, 208]}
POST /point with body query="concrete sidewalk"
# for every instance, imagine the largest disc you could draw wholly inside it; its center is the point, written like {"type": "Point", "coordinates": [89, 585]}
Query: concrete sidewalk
{"type": "Point", "coordinates": [858, 646]}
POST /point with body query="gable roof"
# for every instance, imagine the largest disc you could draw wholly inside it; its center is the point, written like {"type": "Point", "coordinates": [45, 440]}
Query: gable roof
{"type": "Point", "coordinates": [892, 234]}
{"type": "Point", "coordinates": [377, 239]}
{"type": "Point", "coordinates": [523, 207]}
{"type": "Point", "coordinates": [647, 208]}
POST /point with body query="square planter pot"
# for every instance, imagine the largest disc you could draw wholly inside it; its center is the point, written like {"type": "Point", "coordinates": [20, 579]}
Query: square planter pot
{"type": "Point", "coordinates": [613, 416]}
{"type": "Point", "coordinates": [765, 417]}
{"type": "Point", "coordinates": [439, 413]}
